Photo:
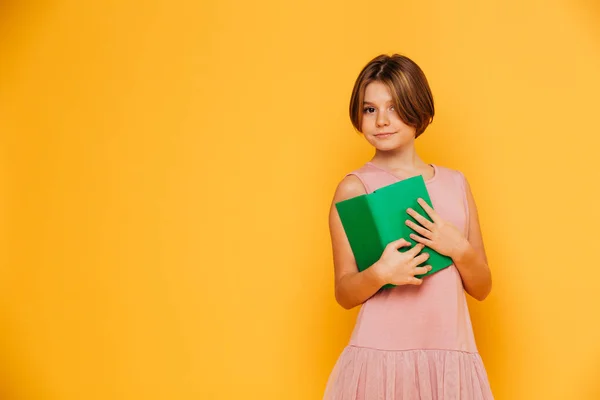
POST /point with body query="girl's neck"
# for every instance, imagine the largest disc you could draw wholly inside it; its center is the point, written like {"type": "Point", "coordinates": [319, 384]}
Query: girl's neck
{"type": "Point", "coordinates": [398, 160]}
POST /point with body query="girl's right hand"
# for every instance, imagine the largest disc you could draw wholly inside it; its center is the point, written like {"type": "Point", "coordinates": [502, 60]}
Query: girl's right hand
{"type": "Point", "coordinates": [400, 268]}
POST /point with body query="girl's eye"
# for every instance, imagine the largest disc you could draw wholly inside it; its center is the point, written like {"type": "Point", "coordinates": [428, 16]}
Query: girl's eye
{"type": "Point", "coordinates": [392, 108]}
{"type": "Point", "coordinates": [369, 110]}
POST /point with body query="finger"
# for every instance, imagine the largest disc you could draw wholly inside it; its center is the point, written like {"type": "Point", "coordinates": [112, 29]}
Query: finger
{"type": "Point", "coordinates": [421, 240]}
{"type": "Point", "coordinates": [416, 250]}
{"type": "Point", "coordinates": [415, 281]}
{"type": "Point", "coordinates": [420, 259]}
{"type": "Point", "coordinates": [422, 270]}
{"type": "Point", "coordinates": [419, 229]}
{"type": "Point", "coordinates": [400, 243]}
{"type": "Point", "coordinates": [420, 219]}
{"type": "Point", "coordinates": [430, 211]}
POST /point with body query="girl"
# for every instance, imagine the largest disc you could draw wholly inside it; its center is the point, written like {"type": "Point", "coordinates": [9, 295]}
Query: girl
{"type": "Point", "coordinates": [414, 341]}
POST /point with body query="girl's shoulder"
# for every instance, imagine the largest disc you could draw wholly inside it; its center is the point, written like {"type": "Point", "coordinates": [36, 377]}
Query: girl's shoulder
{"type": "Point", "coordinates": [360, 180]}
{"type": "Point", "coordinates": [449, 172]}
{"type": "Point", "coordinates": [451, 179]}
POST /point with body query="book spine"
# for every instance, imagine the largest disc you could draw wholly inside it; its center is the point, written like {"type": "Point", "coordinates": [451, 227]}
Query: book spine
{"type": "Point", "coordinates": [376, 229]}
{"type": "Point", "coordinates": [380, 241]}
{"type": "Point", "coordinates": [360, 229]}
{"type": "Point", "coordinates": [372, 234]}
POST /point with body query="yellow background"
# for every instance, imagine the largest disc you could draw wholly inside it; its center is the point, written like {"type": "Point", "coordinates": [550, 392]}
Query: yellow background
{"type": "Point", "coordinates": [168, 168]}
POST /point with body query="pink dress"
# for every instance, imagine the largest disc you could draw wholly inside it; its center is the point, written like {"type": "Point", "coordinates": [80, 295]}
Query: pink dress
{"type": "Point", "coordinates": [414, 342]}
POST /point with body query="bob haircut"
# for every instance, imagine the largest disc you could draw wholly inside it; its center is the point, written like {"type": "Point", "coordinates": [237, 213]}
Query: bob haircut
{"type": "Point", "coordinates": [407, 85]}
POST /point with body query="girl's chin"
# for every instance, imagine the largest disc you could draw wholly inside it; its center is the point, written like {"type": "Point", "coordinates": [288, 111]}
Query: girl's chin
{"type": "Point", "coordinates": [390, 146]}
{"type": "Point", "coordinates": [386, 143]}
{"type": "Point", "coordinates": [390, 143]}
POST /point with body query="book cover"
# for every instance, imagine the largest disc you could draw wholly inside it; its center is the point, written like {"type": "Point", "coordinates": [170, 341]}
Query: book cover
{"type": "Point", "coordinates": [373, 220]}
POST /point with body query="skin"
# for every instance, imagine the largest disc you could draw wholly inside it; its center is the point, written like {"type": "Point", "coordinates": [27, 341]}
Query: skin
{"type": "Point", "coordinates": [396, 153]}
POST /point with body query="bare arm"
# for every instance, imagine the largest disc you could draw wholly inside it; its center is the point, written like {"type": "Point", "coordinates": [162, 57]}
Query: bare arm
{"type": "Point", "coordinates": [471, 261]}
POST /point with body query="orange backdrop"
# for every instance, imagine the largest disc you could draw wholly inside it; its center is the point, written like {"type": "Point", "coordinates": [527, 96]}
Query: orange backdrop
{"type": "Point", "coordinates": [168, 168]}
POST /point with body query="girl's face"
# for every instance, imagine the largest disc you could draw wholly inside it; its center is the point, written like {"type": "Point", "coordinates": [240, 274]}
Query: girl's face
{"type": "Point", "coordinates": [381, 124]}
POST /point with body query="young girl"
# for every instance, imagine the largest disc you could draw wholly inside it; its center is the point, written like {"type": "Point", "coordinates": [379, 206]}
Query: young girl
{"type": "Point", "coordinates": [414, 341]}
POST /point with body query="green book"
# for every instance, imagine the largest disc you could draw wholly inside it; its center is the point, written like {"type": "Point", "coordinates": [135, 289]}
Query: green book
{"type": "Point", "coordinates": [373, 220]}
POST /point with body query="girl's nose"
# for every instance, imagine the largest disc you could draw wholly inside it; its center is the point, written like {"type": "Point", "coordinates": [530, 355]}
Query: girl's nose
{"type": "Point", "coordinates": [382, 119]}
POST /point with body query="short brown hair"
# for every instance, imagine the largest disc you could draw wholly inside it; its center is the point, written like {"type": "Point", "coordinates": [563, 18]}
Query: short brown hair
{"type": "Point", "coordinates": [407, 84]}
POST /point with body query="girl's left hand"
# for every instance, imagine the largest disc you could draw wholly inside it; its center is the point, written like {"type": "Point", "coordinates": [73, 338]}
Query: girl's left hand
{"type": "Point", "coordinates": [439, 235]}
